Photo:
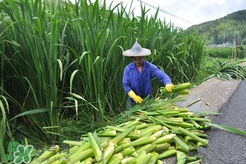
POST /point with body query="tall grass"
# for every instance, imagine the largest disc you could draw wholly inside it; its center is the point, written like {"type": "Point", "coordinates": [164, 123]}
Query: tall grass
{"type": "Point", "coordinates": [63, 61]}
{"type": "Point", "coordinates": [32, 64]}
{"type": "Point", "coordinates": [3, 125]}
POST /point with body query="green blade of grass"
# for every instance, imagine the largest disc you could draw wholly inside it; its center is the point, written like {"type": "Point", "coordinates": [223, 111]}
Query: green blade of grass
{"type": "Point", "coordinates": [34, 111]}
{"type": "Point", "coordinates": [227, 128]}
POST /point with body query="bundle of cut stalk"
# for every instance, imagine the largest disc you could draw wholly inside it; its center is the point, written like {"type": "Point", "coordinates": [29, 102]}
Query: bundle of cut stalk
{"type": "Point", "coordinates": [161, 131]}
{"type": "Point", "coordinates": [181, 89]}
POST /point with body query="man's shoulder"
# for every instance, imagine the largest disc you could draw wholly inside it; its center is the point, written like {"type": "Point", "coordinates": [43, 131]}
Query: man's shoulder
{"type": "Point", "coordinates": [148, 64]}
{"type": "Point", "coordinates": [130, 65]}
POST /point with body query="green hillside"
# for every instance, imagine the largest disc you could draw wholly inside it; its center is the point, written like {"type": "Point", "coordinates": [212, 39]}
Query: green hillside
{"type": "Point", "coordinates": [222, 30]}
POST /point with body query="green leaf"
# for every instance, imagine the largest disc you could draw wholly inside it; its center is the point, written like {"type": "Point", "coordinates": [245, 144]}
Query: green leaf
{"type": "Point", "coordinates": [34, 111]}
{"type": "Point", "coordinates": [227, 128]}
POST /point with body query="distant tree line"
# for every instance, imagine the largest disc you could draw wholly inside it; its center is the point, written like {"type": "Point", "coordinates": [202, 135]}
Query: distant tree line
{"type": "Point", "coordinates": [229, 29]}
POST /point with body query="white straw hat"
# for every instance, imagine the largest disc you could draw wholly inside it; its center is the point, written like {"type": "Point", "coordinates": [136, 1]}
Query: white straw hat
{"type": "Point", "coordinates": [136, 50]}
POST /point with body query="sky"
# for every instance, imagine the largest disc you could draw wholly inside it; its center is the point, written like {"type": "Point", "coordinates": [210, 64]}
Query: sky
{"type": "Point", "coordinates": [185, 13]}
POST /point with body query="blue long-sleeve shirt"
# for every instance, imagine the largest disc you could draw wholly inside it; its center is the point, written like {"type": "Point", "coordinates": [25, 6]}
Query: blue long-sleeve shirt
{"type": "Point", "coordinates": [140, 83]}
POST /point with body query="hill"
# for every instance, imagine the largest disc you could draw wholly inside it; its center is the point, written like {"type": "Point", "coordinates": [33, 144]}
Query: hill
{"type": "Point", "coordinates": [223, 30]}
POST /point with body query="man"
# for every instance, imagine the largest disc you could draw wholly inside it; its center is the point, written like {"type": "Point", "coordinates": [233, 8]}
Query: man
{"type": "Point", "coordinates": [137, 75]}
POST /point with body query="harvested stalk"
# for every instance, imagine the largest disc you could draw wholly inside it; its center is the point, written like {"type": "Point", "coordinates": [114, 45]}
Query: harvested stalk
{"type": "Point", "coordinates": [127, 151]}
{"type": "Point", "coordinates": [151, 134]}
{"type": "Point", "coordinates": [177, 88]}
{"type": "Point", "coordinates": [186, 132]}
{"type": "Point", "coordinates": [148, 148]}
{"type": "Point", "coordinates": [95, 147]}
{"type": "Point", "coordinates": [128, 160]}
{"type": "Point", "coordinates": [162, 147]}
{"type": "Point", "coordinates": [116, 159]}
{"type": "Point", "coordinates": [121, 147]}
{"type": "Point", "coordinates": [80, 156]}
{"type": "Point", "coordinates": [164, 139]}
{"type": "Point", "coordinates": [119, 137]}
{"type": "Point", "coordinates": [47, 154]}
{"type": "Point", "coordinates": [145, 159]}
{"type": "Point", "coordinates": [154, 158]}
{"type": "Point", "coordinates": [108, 152]}
{"type": "Point", "coordinates": [169, 152]}
{"type": "Point", "coordinates": [181, 157]}
{"type": "Point", "coordinates": [181, 143]}
{"type": "Point", "coordinates": [142, 141]}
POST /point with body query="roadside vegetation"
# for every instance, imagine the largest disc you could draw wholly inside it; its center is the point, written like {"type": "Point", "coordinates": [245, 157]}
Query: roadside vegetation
{"type": "Point", "coordinates": [61, 66]}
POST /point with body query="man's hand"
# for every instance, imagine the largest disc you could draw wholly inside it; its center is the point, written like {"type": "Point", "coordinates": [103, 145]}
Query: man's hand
{"type": "Point", "coordinates": [169, 87]}
{"type": "Point", "coordinates": [135, 97]}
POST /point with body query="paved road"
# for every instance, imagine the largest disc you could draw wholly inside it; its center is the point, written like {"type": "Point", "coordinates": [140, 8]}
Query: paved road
{"type": "Point", "coordinates": [225, 147]}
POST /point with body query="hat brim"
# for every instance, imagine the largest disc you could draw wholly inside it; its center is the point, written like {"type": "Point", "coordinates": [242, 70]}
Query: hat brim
{"type": "Point", "coordinates": [142, 52]}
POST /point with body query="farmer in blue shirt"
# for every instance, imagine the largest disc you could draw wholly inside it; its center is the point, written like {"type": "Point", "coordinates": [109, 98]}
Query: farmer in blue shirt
{"type": "Point", "coordinates": [137, 75]}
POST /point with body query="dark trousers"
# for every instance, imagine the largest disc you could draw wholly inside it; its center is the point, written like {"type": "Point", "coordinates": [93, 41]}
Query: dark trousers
{"type": "Point", "coordinates": [129, 104]}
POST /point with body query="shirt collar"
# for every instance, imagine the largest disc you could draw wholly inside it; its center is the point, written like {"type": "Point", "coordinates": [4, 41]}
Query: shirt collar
{"type": "Point", "coordinates": [134, 66]}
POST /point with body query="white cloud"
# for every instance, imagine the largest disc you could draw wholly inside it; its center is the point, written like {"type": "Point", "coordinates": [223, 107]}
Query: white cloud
{"type": "Point", "coordinates": [184, 13]}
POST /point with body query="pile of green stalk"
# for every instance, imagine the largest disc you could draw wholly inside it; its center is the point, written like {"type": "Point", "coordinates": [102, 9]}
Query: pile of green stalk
{"type": "Point", "coordinates": [154, 132]}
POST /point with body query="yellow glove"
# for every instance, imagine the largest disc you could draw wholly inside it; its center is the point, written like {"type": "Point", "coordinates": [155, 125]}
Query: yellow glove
{"type": "Point", "coordinates": [135, 97]}
{"type": "Point", "coordinates": [169, 87]}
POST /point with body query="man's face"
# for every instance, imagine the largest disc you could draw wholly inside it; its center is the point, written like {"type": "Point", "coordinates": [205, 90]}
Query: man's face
{"type": "Point", "coordinates": [138, 61]}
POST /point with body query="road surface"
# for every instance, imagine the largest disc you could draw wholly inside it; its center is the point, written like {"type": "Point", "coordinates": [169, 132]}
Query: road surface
{"type": "Point", "coordinates": [225, 147]}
